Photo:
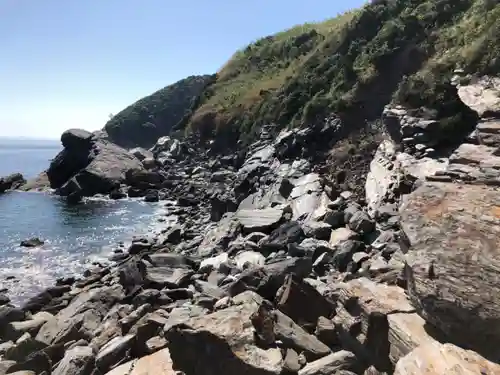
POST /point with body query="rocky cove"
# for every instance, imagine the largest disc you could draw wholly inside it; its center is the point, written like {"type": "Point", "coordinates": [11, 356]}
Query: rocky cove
{"type": "Point", "coordinates": [273, 267]}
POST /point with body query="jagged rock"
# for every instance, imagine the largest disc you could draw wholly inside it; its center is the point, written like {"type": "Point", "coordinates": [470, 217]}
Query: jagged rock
{"type": "Point", "coordinates": [361, 223]}
{"type": "Point", "coordinates": [393, 173]}
{"type": "Point", "coordinates": [287, 233]}
{"type": "Point", "coordinates": [339, 363]}
{"type": "Point", "coordinates": [482, 95]}
{"type": "Point", "coordinates": [344, 252]}
{"type": "Point", "coordinates": [77, 361]}
{"type": "Point", "coordinates": [334, 218]}
{"type": "Point", "coordinates": [11, 182]}
{"type": "Point", "coordinates": [113, 352]}
{"type": "Point", "coordinates": [14, 330]}
{"type": "Point", "coordinates": [326, 332]}
{"type": "Point", "coordinates": [340, 235]}
{"type": "Point", "coordinates": [219, 236]}
{"type": "Point", "coordinates": [230, 336]}
{"type": "Point", "coordinates": [307, 199]}
{"type": "Point", "coordinates": [141, 153]}
{"type": "Point", "coordinates": [88, 165]}
{"type": "Point", "coordinates": [436, 359]}
{"type": "Point", "coordinates": [9, 314]}
{"type": "Point", "coordinates": [32, 242]}
{"type": "Point", "coordinates": [317, 229]}
{"type": "Point", "coordinates": [377, 322]}
{"type": "Point", "coordinates": [158, 363]}
{"type": "Point", "coordinates": [452, 262]}
{"type": "Point", "coordinates": [294, 295]}
{"type": "Point", "coordinates": [249, 258]}
{"type": "Point", "coordinates": [81, 317]}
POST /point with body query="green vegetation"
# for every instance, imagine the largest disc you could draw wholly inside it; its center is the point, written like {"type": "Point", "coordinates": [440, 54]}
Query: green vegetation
{"type": "Point", "coordinates": [153, 116]}
{"type": "Point", "coordinates": [403, 51]}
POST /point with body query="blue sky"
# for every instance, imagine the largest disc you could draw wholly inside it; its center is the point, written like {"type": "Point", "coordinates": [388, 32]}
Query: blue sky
{"type": "Point", "coordinates": [70, 63]}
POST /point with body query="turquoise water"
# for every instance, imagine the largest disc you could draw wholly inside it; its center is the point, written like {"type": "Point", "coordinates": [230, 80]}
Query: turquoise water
{"type": "Point", "coordinates": [74, 236]}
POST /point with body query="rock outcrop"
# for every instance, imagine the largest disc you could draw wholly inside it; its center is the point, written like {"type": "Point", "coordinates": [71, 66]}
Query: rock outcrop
{"type": "Point", "coordinates": [89, 166]}
{"type": "Point", "coordinates": [11, 182]}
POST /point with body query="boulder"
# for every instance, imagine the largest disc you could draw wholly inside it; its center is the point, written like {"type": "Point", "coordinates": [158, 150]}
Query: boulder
{"type": "Point", "coordinates": [339, 363]}
{"type": "Point", "coordinates": [158, 363]}
{"type": "Point", "coordinates": [88, 165]}
{"type": "Point", "coordinates": [453, 262]}
{"type": "Point", "coordinates": [264, 220]}
{"type": "Point", "coordinates": [229, 334]}
{"type": "Point", "coordinates": [316, 229]}
{"type": "Point", "coordinates": [340, 235]}
{"type": "Point", "coordinates": [294, 295]}
{"type": "Point", "coordinates": [141, 153]}
{"type": "Point", "coordinates": [11, 182]}
{"type": "Point", "coordinates": [290, 232]}
{"type": "Point", "coordinates": [114, 352]}
{"type": "Point", "coordinates": [76, 361]}
{"type": "Point", "coordinates": [482, 95]}
{"type": "Point", "coordinates": [377, 322]}
{"type": "Point", "coordinates": [437, 359]}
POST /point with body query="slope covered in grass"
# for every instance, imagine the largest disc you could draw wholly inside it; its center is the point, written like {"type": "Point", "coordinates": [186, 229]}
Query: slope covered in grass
{"type": "Point", "coordinates": [402, 51]}
{"type": "Point", "coordinates": [354, 64]}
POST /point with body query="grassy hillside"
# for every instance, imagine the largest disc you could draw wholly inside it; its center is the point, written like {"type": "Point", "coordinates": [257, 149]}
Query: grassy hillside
{"type": "Point", "coordinates": [153, 116]}
{"type": "Point", "coordinates": [401, 51]}
{"type": "Point", "coordinates": [354, 64]}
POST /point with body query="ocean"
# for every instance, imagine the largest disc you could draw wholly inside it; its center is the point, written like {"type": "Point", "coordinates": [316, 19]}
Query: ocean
{"type": "Point", "coordinates": [74, 236]}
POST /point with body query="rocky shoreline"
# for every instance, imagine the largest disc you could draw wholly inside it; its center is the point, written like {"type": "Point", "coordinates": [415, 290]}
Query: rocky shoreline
{"type": "Point", "coordinates": [273, 268]}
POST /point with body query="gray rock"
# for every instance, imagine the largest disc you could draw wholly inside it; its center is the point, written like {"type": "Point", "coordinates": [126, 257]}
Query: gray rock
{"type": "Point", "coordinates": [114, 352]}
{"type": "Point", "coordinates": [326, 332]}
{"type": "Point", "coordinates": [294, 295]}
{"type": "Point", "coordinates": [81, 317]}
{"type": "Point", "coordinates": [229, 335]}
{"type": "Point", "coordinates": [11, 182]}
{"type": "Point", "coordinates": [341, 363]}
{"type": "Point", "coordinates": [141, 153]}
{"type": "Point", "coordinates": [361, 223]}
{"type": "Point", "coordinates": [334, 218]}
{"type": "Point", "coordinates": [340, 235]}
{"type": "Point", "coordinates": [77, 361]}
{"type": "Point", "coordinates": [317, 230]}
{"type": "Point", "coordinates": [263, 220]}
{"type": "Point", "coordinates": [89, 167]}
{"type": "Point", "coordinates": [249, 259]}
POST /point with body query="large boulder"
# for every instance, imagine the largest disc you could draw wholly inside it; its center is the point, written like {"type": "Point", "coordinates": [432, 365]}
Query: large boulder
{"type": "Point", "coordinates": [437, 359]}
{"type": "Point", "coordinates": [11, 182]}
{"type": "Point", "coordinates": [377, 322]}
{"type": "Point", "coordinates": [88, 165]}
{"type": "Point", "coordinates": [454, 260]}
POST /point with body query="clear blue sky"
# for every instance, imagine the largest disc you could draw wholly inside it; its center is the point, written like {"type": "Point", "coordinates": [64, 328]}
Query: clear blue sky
{"type": "Point", "coordinates": [70, 63]}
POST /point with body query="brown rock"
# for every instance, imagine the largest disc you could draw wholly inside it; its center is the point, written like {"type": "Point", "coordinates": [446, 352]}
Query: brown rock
{"type": "Point", "coordinates": [454, 261]}
{"type": "Point", "coordinates": [377, 322]}
{"type": "Point", "coordinates": [439, 359]}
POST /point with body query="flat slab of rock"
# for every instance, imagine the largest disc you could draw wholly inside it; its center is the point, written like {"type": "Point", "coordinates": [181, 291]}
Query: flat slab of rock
{"type": "Point", "coordinates": [341, 362]}
{"type": "Point", "coordinates": [454, 260]}
{"type": "Point", "coordinates": [158, 363]}
{"type": "Point", "coordinates": [262, 220]}
{"type": "Point", "coordinates": [439, 359]}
